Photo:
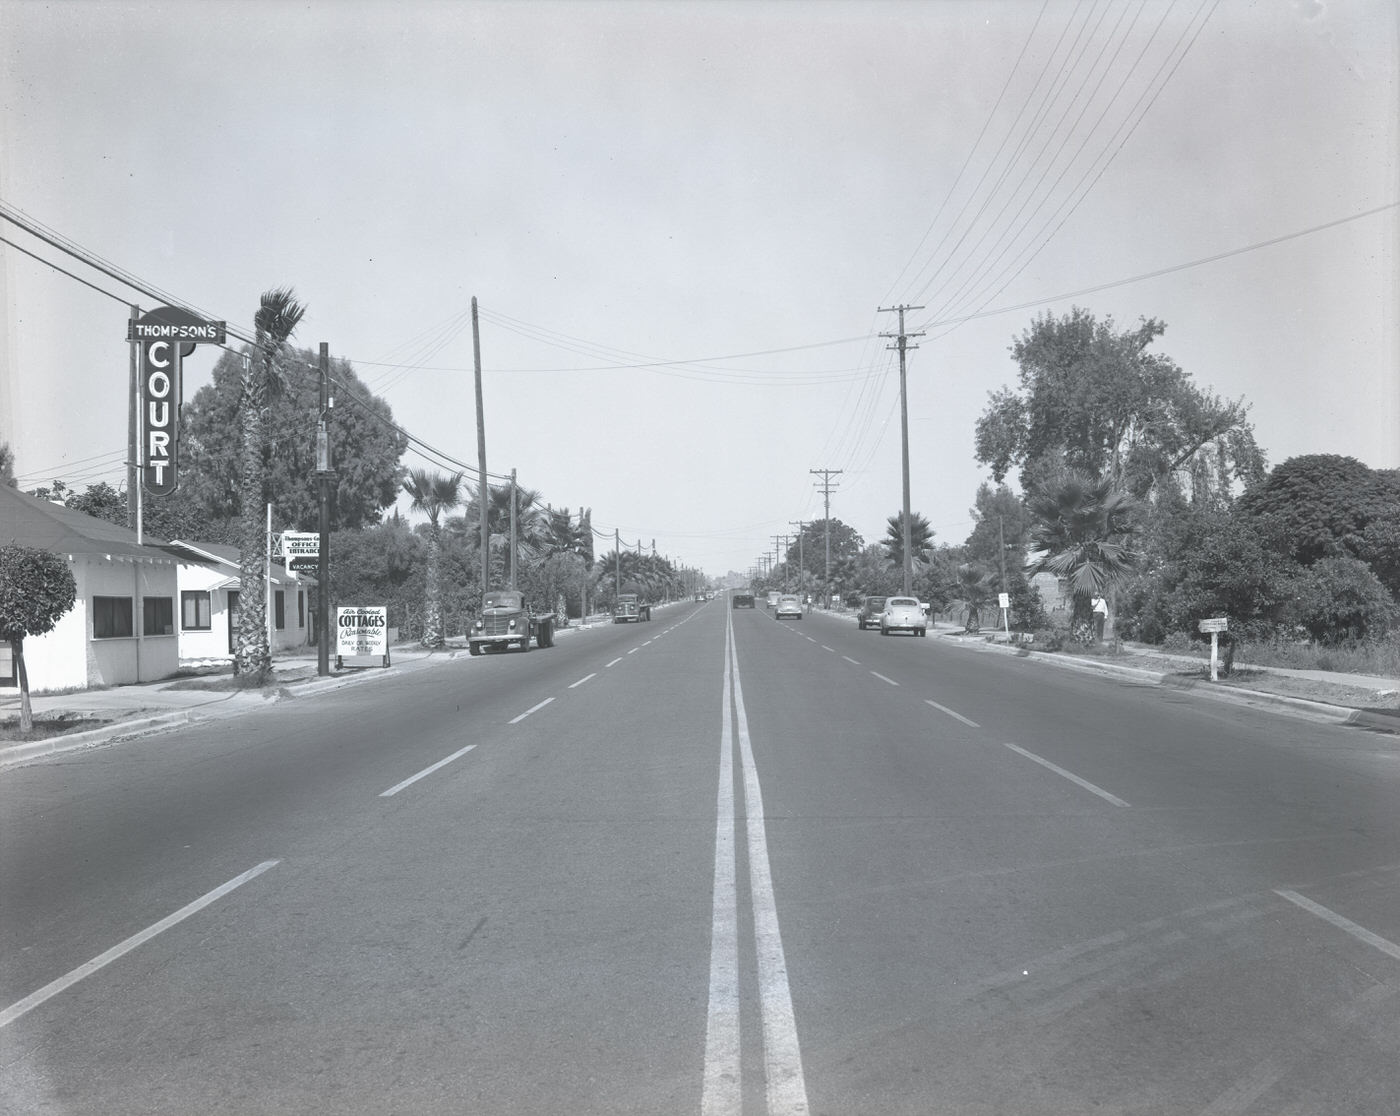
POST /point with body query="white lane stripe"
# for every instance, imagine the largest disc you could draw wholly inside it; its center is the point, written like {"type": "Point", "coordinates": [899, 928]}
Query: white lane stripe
{"type": "Point", "coordinates": [581, 681]}
{"type": "Point", "coordinates": [614, 662]}
{"type": "Point", "coordinates": [648, 643]}
{"type": "Point", "coordinates": [826, 648]}
{"type": "Point", "coordinates": [1358, 932]}
{"type": "Point", "coordinates": [53, 988]}
{"type": "Point", "coordinates": [850, 660]}
{"type": "Point", "coordinates": [782, 1054]}
{"type": "Point", "coordinates": [425, 772]}
{"type": "Point", "coordinates": [721, 1093]}
{"type": "Point", "coordinates": [634, 651]}
{"type": "Point", "coordinates": [532, 709]}
{"type": "Point", "coordinates": [955, 716]}
{"type": "Point", "coordinates": [882, 678]}
{"type": "Point", "coordinates": [1073, 778]}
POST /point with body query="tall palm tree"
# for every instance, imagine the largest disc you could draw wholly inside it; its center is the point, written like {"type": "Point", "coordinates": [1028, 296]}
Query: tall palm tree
{"type": "Point", "coordinates": [277, 318]}
{"type": "Point", "coordinates": [433, 493]}
{"type": "Point", "coordinates": [1082, 533]}
{"type": "Point", "coordinates": [920, 538]}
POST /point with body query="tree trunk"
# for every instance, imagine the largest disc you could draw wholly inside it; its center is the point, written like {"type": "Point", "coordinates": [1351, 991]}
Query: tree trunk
{"type": "Point", "coordinates": [253, 656]}
{"type": "Point", "coordinates": [1081, 624]}
{"type": "Point", "coordinates": [432, 604]}
{"type": "Point", "coordinates": [26, 711]}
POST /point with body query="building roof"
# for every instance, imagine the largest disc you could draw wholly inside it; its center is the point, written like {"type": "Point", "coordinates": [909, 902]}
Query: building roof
{"type": "Point", "coordinates": [221, 555]}
{"type": "Point", "coordinates": [30, 521]}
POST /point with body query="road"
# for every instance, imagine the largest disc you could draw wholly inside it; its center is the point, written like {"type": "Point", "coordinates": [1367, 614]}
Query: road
{"type": "Point", "coordinates": [712, 864]}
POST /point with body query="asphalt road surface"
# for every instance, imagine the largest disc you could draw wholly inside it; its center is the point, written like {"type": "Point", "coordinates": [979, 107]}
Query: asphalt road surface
{"type": "Point", "coordinates": [713, 864]}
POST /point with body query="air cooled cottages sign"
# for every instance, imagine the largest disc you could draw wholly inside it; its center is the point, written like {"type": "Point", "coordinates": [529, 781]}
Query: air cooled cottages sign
{"type": "Point", "coordinates": [167, 335]}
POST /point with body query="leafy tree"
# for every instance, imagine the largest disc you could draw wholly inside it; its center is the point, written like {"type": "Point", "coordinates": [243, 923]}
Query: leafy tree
{"type": "Point", "coordinates": [1331, 506]}
{"type": "Point", "coordinates": [365, 448]}
{"type": "Point", "coordinates": [1081, 534]}
{"type": "Point", "coordinates": [7, 465]}
{"type": "Point", "coordinates": [1001, 531]}
{"type": "Point", "coordinates": [920, 538]}
{"type": "Point", "coordinates": [381, 565]}
{"type": "Point", "coordinates": [1236, 567]}
{"type": "Point", "coordinates": [1095, 400]}
{"type": "Point", "coordinates": [808, 551]}
{"type": "Point", "coordinates": [276, 319]}
{"type": "Point", "coordinates": [103, 501]}
{"type": "Point", "coordinates": [1340, 600]}
{"type": "Point", "coordinates": [433, 493]}
{"type": "Point", "coordinates": [36, 590]}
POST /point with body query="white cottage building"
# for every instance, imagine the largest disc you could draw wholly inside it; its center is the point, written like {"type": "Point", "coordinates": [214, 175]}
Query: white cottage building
{"type": "Point", "coordinates": [122, 627]}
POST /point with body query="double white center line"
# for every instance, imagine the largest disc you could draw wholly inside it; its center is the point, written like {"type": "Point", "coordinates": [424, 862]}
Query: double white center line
{"type": "Point", "coordinates": [722, 1093]}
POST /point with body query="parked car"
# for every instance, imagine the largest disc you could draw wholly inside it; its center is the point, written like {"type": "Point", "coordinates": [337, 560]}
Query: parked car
{"type": "Point", "coordinates": [869, 614]}
{"type": "Point", "coordinates": [788, 605]}
{"type": "Point", "coordinates": [743, 600]}
{"type": "Point", "coordinates": [903, 614]}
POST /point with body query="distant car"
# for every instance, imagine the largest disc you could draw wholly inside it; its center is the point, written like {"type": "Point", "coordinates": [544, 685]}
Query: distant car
{"type": "Point", "coordinates": [743, 600]}
{"type": "Point", "coordinates": [869, 614]}
{"type": "Point", "coordinates": [903, 614]}
{"type": "Point", "coordinates": [773, 599]}
{"type": "Point", "coordinates": [788, 605]}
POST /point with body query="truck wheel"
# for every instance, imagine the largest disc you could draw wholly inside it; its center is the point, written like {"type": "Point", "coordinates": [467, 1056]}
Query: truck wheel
{"type": "Point", "coordinates": [525, 644]}
{"type": "Point", "coordinates": [475, 649]}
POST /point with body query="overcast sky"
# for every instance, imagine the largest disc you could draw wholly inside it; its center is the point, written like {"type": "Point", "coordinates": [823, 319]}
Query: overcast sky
{"type": "Point", "coordinates": [681, 220]}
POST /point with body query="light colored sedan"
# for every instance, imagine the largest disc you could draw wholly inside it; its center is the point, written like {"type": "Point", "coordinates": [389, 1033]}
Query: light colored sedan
{"type": "Point", "coordinates": [788, 605]}
{"type": "Point", "coordinates": [903, 614]}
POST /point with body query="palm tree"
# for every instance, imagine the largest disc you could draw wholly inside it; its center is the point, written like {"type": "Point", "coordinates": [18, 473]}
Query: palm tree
{"type": "Point", "coordinates": [277, 318]}
{"type": "Point", "coordinates": [1081, 533]}
{"type": "Point", "coordinates": [920, 538]}
{"type": "Point", "coordinates": [433, 493]}
{"type": "Point", "coordinates": [975, 582]}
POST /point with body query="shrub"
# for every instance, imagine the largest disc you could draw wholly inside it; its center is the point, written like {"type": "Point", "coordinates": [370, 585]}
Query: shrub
{"type": "Point", "coordinates": [1341, 601]}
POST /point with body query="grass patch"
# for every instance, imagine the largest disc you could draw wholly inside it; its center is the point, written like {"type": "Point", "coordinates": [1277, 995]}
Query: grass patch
{"type": "Point", "coordinates": [47, 725]}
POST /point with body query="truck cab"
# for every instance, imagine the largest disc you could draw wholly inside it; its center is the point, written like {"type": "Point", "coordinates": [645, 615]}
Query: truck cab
{"type": "Point", "coordinates": [506, 621]}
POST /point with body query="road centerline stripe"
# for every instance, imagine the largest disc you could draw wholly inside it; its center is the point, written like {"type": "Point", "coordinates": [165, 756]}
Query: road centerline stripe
{"type": "Point", "coordinates": [955, 716]}
{"type": "Point", "coordinates": [850, 660]}
{"type": "Point", "coordinates": [532, 709]}
{"type": "Point", "coordinates": [581, 681]}
{"type": "Point", "coordinates": [53, 988]}
{"type": "Point", "coordinates": [425, 772]}
{"type": "Point", "coordinates": [614, 662]}
{"type": "Point", "coordinates": [1073, 778]}
{"type": "Point", "coordinates": [1356, 931]}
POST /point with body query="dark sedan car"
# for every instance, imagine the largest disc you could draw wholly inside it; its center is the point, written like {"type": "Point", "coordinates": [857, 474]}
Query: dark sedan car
{"type": "Point", "coordinates": [869, 614]}
{"type": "Point", "coordinates": [743, 600]}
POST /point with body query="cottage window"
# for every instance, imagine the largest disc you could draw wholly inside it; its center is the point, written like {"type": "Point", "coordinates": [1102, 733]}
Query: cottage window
{"type": "Point", "coordinates": [195, 614]}
{"type": "Point", "coordinates": [158, 616]}
{"type": "Point", "coordinates": [111, 618]}
{"type": "Point", "coordinates": [280, 610]}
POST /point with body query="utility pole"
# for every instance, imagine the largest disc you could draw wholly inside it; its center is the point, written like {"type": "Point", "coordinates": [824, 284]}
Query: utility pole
{"type": "Point", "coordinates": [902, 345]}
{"type": "Point", "coordinates": [512, 528]}
{"type": "Point", "coordinates": [801, 550]}
{"type": "Point", "coordinates": [617, 565]}
{"type": "Point", "coordinates": [323, 495]}
{"type": "Point", "coordinates": [484, 490]}
{"type": "Point", "coordinates": [826, 486]}
{"type": "Point", "coordinates": [782, 544]}
{"type": "Point", "coordinates": [133, 430]}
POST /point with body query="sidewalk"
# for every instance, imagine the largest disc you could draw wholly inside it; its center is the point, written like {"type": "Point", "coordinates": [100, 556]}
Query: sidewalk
{"type": "Point", "coordinates": [1151, 666]}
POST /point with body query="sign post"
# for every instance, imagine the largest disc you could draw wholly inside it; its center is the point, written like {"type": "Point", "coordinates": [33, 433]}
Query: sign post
{"type": "Point", "coordinates": [1004, 600]}
{"type": "Point", "coordinates": [301, 550]}
{"type": "Point", "coordinates": [1215, 625]}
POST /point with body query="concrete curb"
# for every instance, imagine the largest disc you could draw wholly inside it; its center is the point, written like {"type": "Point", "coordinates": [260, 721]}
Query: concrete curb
{"type": "Point", "coordinates": [76, 741]}
{"type": "Point", "coordinates": [1313, 710]}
